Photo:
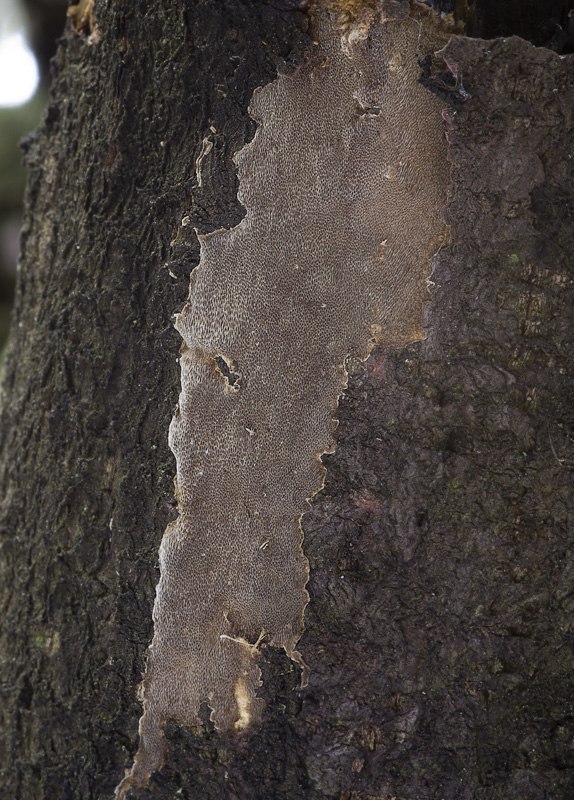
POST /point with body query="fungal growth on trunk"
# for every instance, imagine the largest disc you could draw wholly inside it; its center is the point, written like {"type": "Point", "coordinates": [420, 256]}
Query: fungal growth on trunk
{"type": "Point", "coordinates": [344, 185]}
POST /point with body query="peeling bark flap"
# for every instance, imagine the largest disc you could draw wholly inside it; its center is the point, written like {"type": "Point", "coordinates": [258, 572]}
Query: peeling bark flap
{"type": "Point", "coordinates": [344, 185]}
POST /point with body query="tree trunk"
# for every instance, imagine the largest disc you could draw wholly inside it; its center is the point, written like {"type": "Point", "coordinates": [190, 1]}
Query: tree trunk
{"type": "Point", "coordinates": [439, 628]}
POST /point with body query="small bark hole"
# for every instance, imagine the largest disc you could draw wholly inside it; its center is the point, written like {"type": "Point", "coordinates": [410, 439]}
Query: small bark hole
{"type": "Point", "coordinates": [228, 371]}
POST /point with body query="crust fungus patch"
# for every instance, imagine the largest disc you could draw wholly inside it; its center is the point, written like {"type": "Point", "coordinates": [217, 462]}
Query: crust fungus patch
{"type": "Point", "coordinates": [344, 185]}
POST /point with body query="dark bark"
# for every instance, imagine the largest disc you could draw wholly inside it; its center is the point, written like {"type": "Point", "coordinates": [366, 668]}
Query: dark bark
{"type": "Point", "coordinates": [439, 632]}
{"type": "Point", "coordinates": [92, 378]}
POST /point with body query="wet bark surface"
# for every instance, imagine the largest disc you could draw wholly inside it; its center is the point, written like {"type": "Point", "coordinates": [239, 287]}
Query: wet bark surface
{"type": "Point", "coordinates": [439, 632]}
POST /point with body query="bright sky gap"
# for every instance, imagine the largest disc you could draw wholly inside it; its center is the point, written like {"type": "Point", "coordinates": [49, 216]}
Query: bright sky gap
{"type": "Point", "coordinates": [18, 71]}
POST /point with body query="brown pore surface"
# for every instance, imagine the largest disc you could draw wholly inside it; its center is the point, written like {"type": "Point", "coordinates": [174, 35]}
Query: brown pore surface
{"type": "Point", "coordinates": [344, 185]}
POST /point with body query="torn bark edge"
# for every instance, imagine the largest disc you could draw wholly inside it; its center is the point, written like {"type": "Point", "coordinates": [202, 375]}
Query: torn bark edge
{"type": "Point", "coordinates": [84, 22]}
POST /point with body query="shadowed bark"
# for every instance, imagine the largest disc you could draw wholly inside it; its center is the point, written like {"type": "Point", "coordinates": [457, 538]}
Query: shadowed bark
{"type": "Point", "coordinates": [439, 630]}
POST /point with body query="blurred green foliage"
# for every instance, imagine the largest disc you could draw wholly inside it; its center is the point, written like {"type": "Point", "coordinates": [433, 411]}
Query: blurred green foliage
{"type": "Point", "coordinates": [15, 123]}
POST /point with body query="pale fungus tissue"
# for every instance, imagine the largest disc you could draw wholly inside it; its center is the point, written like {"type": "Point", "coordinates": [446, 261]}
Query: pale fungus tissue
{"type": "Point", "coordinates": [344, 186]}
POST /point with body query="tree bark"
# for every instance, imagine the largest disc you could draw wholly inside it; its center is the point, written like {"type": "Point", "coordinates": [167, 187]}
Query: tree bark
{"type": "Point", "coordinates": [439, 630]}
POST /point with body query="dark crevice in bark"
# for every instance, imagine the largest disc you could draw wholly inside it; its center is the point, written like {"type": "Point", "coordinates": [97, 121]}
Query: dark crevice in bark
{"type": "Point", "coordinates": [545, 23]}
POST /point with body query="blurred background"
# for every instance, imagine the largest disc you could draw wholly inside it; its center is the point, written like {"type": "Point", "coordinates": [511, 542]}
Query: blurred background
{"type": "Point", "coordinates": [29, 30]}
{"type": "Point", "coordinates": [28, 33]}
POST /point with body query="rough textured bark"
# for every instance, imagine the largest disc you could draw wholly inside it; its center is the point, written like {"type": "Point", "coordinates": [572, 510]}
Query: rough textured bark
{"type": "Point", "coordinates": [439, 628]}
{"type": "Point", "coordinates": [92, 378]}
